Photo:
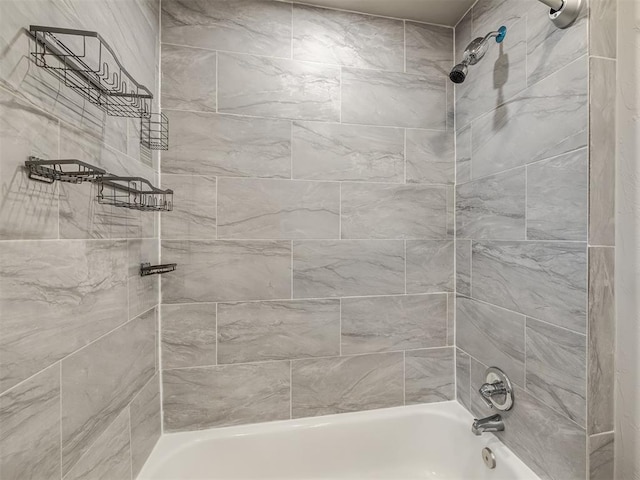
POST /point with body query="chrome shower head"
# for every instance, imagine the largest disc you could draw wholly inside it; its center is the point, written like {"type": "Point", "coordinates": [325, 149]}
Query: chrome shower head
{"type": "Point", "coordinates": [474, 53]}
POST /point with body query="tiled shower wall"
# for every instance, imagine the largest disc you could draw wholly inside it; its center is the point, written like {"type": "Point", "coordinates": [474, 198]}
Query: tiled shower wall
{"type": "Point", "coordinates": [79, 382]}
{"type": "Point", "coordinates": [535, 233]}
{"type": "Point", "coordinates": [312, 156]}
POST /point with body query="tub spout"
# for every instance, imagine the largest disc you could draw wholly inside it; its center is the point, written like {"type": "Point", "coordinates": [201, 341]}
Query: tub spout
{"type": "Point", "coordinates": [493, 423]}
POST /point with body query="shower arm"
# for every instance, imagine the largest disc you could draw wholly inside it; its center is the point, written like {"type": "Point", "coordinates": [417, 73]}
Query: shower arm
{"type": "Point", "coordinates": [563, 13]}
{"type": "Point", "coordinates": [553, 4]}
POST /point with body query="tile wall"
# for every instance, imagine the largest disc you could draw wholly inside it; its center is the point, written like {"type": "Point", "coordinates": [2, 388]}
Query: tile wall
{"type": "Point", "coordinates": [535, 233]}
{"type": "Point", "coordinates": [79, 380]}
{"type": "Point", "coordinates": [312, 152]}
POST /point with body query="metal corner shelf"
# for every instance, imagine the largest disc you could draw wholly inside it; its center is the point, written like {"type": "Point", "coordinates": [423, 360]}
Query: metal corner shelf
{"type": "Point", "coordinates": [148, 269]}
{"type": "Point", "coordinates": [135, 193]}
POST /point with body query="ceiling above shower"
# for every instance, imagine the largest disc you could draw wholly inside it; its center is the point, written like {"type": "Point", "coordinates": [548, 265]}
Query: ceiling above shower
{"type": "Point", "coordinates": [443, 12]}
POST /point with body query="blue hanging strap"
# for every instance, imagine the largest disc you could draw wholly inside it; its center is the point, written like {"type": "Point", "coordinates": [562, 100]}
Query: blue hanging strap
{"type": "Point", "coordinates": [502, 32]}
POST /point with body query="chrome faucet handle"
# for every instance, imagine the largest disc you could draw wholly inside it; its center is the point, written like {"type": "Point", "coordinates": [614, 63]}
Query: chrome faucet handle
{"type": "Point", "coordinates": [497, 391]}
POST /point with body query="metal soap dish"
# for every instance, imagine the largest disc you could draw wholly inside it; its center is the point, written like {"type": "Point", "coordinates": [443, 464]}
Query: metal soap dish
{"type": "Point", "coordinates": [135, 193]}
{"type": "Point", "coordinates": [154, 132]}
{"type": "Point", "coordinates": [71, 171]}
{"type": "Point", "coordinates": [148, 269]}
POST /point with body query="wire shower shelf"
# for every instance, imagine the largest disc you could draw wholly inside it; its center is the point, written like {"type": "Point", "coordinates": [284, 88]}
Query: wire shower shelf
{"type": "Point", "coordinates": [85, 62]}
{"type": "Point", "coordinates": [71, 171]}
{"type": "Point", "coordinates": [154, 132]}
{"type": "Point", "coordinates": [135, 193]}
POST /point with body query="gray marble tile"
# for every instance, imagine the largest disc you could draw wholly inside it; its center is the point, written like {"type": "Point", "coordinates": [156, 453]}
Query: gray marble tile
{"type": "Point", "coordinates": [555, 109]}
{"type": "Point", "coordinates": [146, 423]}
{"type": "Point", "coordinates": [544, 280]}
{"type": "Point", "coordinates": [463, 32]}
{"type": "Point", "coordinates": [194, 207]}
{"type": "Point", "coordinates": [282, 330]}
{"type": "Point", "coordinates": [273, 87]}
{"type": "Point", "coordinates": [379, 324]}
{"type": "Point", "coordinates": [498, 77]}
{"type": "Point", "coordinates": [493, 207]}
{"type": "Point", "coordinates": [549, 443]}
{"type": "Point", "coordinates": [261, 208]}
{"type": "Point", "coordinates": [550, 48]}
{"type": "Point", "coordinates": [110, 455]}
{"type": "Point", "coordinates": [393, 99]}
{"type": "Point", "coordinates": [601, 457]}
{"type": "Point", "coordinates": [349, 39]}
{"type": "Point", "coordinates": [392, 211]}
{"type": "Point", "coordinates": [463, 155]}
{"type": "Point", "coordinates": [429, 375]}
{"type": "Point", "coordinates": [450, 192]}
{"type": "Point", "coordinates": [602, 28]}
{"type": "Point", "coordinates": [430, 156]}
{"type": "Point", "coordinates": [143, 291]}
{"type": "Point", "coordinates": [430, 266]}
{"type": "Point", "coordinates": [602, 333]}
{"type": "Point", "coordinates": [463, 377]}
{"type": "Point", "coordinates": [602, 147]}
{"type": "Point", "coordinates": [557, 368]}
{"type": "Point", "coordinates": [247, 26]}
{"type": "Point", "coordinates": [489, 13]}
{"type": "Point", "coordinates": [188, 335]}
{"type": "Point", "coordinates": [39, 324]}
{"type": "Point", "coordinates": [334, 151]}
{"type": "Point", "coordinates": [558, 197]}
{"type": "Point", "coordinates": [346, 384]}
{"type": "Point", "coordinates": [347, 268]}
{"type": "Point", "coordinates": [97, 385]}
{"type": "Point", "coordinates": [478, 374]}
{"type": "Point", "coordinates": [188, 78]}
{"type": "Point", "coordinates": [429, 49]}
{"type": "Point", "coordinates": [30, 434]}
{"type": "Point", "coordinates": [28, 209]}
{"type": "Point", "coordinates": [210, 144]}
{"type": "Point", "coordinates": [463, 267]}
{"type": "Point", "coordinates": [493, 336]}
{"type": "Point", "coordinates": [205, 397]}
{"type": "Point", "coordinates": [451, 319]}
{"type": "Point", "coordinates": [211, 271]}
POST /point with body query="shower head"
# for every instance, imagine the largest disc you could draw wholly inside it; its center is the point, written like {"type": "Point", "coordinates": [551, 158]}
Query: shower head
{"type": "Point", "coordinates": [474, 53]}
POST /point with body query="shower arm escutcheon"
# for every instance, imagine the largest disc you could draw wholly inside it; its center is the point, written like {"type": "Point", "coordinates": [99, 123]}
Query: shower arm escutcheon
{"type": "Point", "coordinates": [563, 13]}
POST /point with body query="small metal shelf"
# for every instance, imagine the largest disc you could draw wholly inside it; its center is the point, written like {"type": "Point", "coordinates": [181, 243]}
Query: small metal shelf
{"type": "Point", "coordinates": [136, 193]}
{"type": "Point", "coordinates": [154, 132]}
{"type": "Point", "coordinates": [148, 269]}
{"type": "Point", "coordinates": [71, 171]}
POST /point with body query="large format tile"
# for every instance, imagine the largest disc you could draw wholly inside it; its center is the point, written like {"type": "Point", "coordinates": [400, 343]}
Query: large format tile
{"type": "Point", "coordinates": [271, 87]}
{"type": "Point", "coordinates": [146, 423]}
{"type": "Point", "coordinates": [394, 99]}
{"type": "Point", "coordinates": [558, 197]}
{"type": "Point", "coordinates": [110, 455]}
{"type": "Point", "coordinates": [429, 267]}
{"type": "Point", "coordinates": [188, 335]}
{"type": "Point", "coordinates": [143, 291]}
{"type": "Point", "coordinates": [30, 434]}
{"type": "Point", "coordinates": [258, 331]}
{"type": "Point", "coordinates": [334, 151]}
{"type": "Point", "coordinates": [601, 457]}
{"type": "Point", "coordinates": [211, 144]}
{"type": "Point", "coordinates": [97, 385]}
{"type": "Point", "coordinates": [261, 208]}
{"type": "Point", "coordinates": [557, 368]}
{"type": "Point", "coordinates": [28, 209]}
{"type": "Point", "coordinates": [225, 270]}
{"type": "Point", "coordinates": [378, 324]}
{"type": "Point", "coordinates": [248, 26]}
{"type": "Point", "coordinates": [463, 267]}
{"type": "Point", "coordinates": [463, 155]}
{"type": "Point", "coordinates": [346, 384]}
{"type": "Point", "coordinates": [430, 156]}
{"type": "Point", "coordinates": [602, 148]}
{"type": "Point", "coordinates": [392, 211]}
{"type": "Point", "coordinates": [602, 334]}
{"type": "Point", "coordinates": [492, 207]}
{"type": "Point", "coordinates": [347, 268]}
{"type": "Point", "coordinates": [429, 49]}
{"type": "Point", "coordinates": [349, 39]}
{"type": "Point", "coordinates": [429, 375]}
{"type": "Point", "coordinates": [603, 28]}
{"type": "Point", "coordinates": [493, 336]}
{"type": "Point", "coordinates": [194, 207]}
{"type": "Point", "coordinates": [205, 397]}
{"type": "Point", "coordinates": [544, 280]}
{"type": "Point", "coordinates": [50, 308]}
{"type": "Point", "coordinates": [463, 378]}
{"type": "Point", "coordinates": [555, 109]}
{"type": "Point", "coordinates": [188, 78]}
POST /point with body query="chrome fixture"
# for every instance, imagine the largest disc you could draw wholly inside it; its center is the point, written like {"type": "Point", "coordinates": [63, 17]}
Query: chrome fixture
{"type": "Point", "coordinates": [474, 52]}
{"type": "Point", "coordinates": [563, 12]}
{"type": "Point", "coordinates": [497, 390]}
{"type": "Point", "coordinates": [488, 458]}
{"type": "Point", "coordinates": [493, 423]}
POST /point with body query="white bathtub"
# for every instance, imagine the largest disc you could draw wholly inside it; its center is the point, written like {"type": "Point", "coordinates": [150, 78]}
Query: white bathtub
{"type": "Point", "coordinates": [431, 441]}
